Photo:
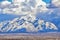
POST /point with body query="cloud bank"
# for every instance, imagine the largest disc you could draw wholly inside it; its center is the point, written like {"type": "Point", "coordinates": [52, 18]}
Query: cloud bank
{"type": "Point", "coordinates": [26, 7]}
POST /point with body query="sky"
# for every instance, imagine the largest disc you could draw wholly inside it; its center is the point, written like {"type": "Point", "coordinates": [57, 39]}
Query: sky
{"type": "Point", "coordinates": [3, 0]}
{"type": "Point", "coordinates": [47, 1]}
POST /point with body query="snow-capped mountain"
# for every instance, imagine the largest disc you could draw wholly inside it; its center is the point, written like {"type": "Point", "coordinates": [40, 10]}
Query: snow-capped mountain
{"type": "Point", "coordinates": [19, 23]}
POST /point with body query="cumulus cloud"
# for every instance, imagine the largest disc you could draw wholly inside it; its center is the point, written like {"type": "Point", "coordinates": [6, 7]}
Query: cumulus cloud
{"type": "Point", "coordinates": [18, 11]}
{"type": "Point", "coordinates": [0, 10]}
{"type": "Point", "coordinates": [22, 0]}
{"type": "Point", "coordinates": [5, 3]}
{"type": "Point", "coordinates": [56, 2]}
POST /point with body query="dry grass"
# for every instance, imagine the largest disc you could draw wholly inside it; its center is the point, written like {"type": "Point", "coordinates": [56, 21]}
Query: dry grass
{"type": "Point", "coordinates": [47, 36]}
{"type": "Point", "coordinates": [29, 38]}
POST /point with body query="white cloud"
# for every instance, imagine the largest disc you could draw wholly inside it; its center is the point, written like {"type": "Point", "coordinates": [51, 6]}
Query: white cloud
{"type": "Point", "coordinates": [5, 3]}
{"type": "Point", "coordinates": [42, 5]}
{"type": "Point", "coordinates": [56, 2]}
{"type": "Point", "coordinates": [22, 0]}
{"type": "Point", "coordinates": [18, 0]}
{"type": "Point", "coordinates": [18, 10]}
{"type": "Point", "coordinates": [0, 9]}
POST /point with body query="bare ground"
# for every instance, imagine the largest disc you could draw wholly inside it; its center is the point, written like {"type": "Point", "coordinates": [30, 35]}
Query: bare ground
{"type": "Point", "coordinates": [22, 36]}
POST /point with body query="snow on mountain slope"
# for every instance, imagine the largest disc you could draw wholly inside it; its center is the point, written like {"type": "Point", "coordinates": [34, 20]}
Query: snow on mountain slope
{"type": "Point", "coordinates": [19, 23]}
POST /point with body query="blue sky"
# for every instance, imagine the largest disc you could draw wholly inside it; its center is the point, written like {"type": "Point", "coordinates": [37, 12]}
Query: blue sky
{"type": "Point", "coordinates": [3, 0]}
{"type": "Point", "coordinates": [47, 1]}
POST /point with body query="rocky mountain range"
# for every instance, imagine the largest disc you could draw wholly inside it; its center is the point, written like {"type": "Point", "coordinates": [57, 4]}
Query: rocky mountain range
{"type": "Point", "coordinates": [30, 26]}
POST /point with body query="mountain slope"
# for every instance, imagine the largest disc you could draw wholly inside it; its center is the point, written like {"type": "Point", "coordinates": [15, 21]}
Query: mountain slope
{"type": "Point", "coordinates": [19, 23]}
